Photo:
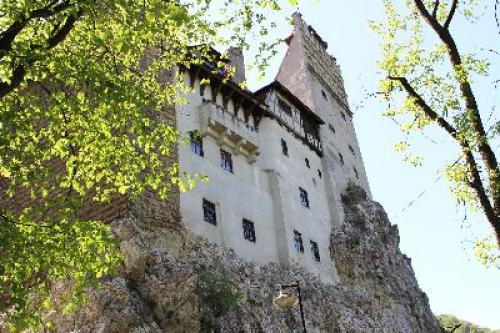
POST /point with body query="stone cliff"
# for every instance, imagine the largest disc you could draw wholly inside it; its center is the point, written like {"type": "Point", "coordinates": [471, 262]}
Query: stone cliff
{"type": "Point", "coordinates": [173, 281]}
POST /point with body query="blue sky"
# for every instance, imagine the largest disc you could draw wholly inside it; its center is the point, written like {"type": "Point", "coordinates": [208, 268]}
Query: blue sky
{"type": "Point", "coordinates": [432, 230]}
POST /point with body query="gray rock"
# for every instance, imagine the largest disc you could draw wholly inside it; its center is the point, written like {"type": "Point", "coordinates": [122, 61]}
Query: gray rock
{"type": "Point", "coordinates": [159, 291]}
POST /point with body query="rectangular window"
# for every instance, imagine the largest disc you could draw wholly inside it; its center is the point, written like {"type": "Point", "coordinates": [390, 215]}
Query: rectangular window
{"type": "Point", "coordinates": [284, 147]}
{"type": "Point", "coordinates": [330, 126]}
{"type": "Point", "coordinates": [297, 241]}
{"type": "Point", "coordinates": [304, 199]}
{"type": "Point", "coordinates": [341, 158]}
{"type": "Point", "coordinates": [285, 107]}
{"type": "Point", "coordinates": [209, 214]}
{"type": "Point", "coordinates": [315, 251]}
{"type": "Point", "coordinates": [307, 163]}
{"type": "Point", "coordinates": [249, 231]}
{"type": "Point", "coordinates": [356, 172]}
{"type": "Point", "coordinates": [195, 143]}
{"type": "Point", "coordinates": [352, 150]}
{"type": "Point", "coordinates": [319, 173]}
{"type": "Point", "coordinates": [226, 161]}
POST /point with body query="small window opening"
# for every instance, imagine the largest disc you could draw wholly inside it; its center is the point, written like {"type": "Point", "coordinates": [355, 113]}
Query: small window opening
{"type": "Point", "coordinates": [284, 147]}
{"type": "Point", "coordinates": [304, 198]}
{"type": "Point", "coordinates": [196, 143]}
{"type": "Point", "coordinates": [352, 150]}
{"type": "Point", "coordinates": [355, 172]}
{"type": "Point", "coordinates": [315, 251]}
{"type": "Point", "coordinates": [297, 241]}
{"type": "Point", "coordinates": [330, 126]}
{"type": "Point", "coordinates": [209, 213]}
{"type": "Point", "coordinates": [341, 158]}
{"type": "Point", "coordinates": [319, 173]}
{"type": "Point", "coordinates": [285, 107]}
{"type": "Point", "coordinates": [226, 161]}
{"type": "Point", "coordinates": [323, 94]}
{"type": "Point", "coordinates": [307, 163]}
{"type": "Point", "coordinates": [249, 231]}
{"type": "Point", "coordinates": [343, 116]}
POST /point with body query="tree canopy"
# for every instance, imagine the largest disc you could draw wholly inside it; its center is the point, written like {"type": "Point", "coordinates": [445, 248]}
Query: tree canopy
{"type": "Point", "coordinates": [84, 83]}
{"type": "Point", "coordinates": [429, 80]}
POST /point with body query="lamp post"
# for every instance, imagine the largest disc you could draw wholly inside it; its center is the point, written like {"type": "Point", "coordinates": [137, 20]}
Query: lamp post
{"type": "Point", "coordinates": [287, 300]}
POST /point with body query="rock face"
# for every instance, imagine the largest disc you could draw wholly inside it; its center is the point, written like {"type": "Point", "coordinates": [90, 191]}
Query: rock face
{"type": "Point", "coordinates": [175, 282]}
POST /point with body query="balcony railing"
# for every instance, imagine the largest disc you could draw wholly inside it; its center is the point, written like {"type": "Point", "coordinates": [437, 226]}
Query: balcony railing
{"type": "Point", "coordinates": [224, 125]}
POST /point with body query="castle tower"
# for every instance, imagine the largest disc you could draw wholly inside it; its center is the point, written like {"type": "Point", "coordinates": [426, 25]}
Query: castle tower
{"type": "Point", "coordinates": [313, 75]}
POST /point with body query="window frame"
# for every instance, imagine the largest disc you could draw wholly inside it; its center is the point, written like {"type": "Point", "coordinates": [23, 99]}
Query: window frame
{"type": "Point", "coordinates": [249, 233]}
{"type": "Point", "coordinates": [285, 107]}
{"type": "Point", "coordinates": [351, 149]}
{"type": "Point", "coordinates": [284, 147]}
{"type": "Point", "coordinates": [315, 251]}
{"type": "Point", "coordinates": [298, 241]}
{"type": "Point", "coordinates": [207, 204]}
{"type": "Point", "coordinates": [196, 141]}
{"type": "Point", "coordinates": [332, 128]}
{"type": "Point", "coordinates": [226, 161]}
{"type": "Point", "coordinates": [304, 198]}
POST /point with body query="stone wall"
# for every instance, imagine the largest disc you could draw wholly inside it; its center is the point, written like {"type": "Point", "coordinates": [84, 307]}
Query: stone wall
{"type": "Point", "coordinates": [159, 290]}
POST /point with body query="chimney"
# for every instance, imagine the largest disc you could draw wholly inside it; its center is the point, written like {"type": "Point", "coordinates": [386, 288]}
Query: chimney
{"type": "Point", "coordinates": [236, 60]}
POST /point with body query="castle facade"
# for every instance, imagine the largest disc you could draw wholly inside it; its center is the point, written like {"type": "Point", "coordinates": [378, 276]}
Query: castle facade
{"type": "Point", "coordinates": [277, 159]}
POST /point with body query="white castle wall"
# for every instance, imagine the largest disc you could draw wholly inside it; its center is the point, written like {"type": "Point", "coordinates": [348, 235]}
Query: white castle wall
{"type": "Point", "coordinates": [264, 186]}
{"type": "Point", "coordinates": [265, 192]}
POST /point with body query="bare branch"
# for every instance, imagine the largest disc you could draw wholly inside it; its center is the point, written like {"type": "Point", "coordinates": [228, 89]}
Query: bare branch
{"type": "Point", "coordinates": [497, 19]}
{"type": "Point", "coordinates": [453, 9]}
{"type": "Point", "coordinates": [435, 10]}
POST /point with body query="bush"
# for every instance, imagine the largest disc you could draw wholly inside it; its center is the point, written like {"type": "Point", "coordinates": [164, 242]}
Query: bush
{"type": "Point", "coordinates": [217, 293]}
{"type": "Point", "coordinates": [353, 194]}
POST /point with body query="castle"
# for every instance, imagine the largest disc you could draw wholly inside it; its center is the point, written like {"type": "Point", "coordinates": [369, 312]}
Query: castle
{"type": "Point", "coordinates": [277, 159]}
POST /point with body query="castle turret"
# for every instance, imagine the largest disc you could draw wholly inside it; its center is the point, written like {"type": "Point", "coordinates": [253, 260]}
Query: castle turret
{"type": "Point", "coordinates": [314, 76]}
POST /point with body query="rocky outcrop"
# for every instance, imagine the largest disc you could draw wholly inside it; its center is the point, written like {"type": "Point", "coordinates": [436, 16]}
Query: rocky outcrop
{"type": "Point", "coordinates": [176, 282]}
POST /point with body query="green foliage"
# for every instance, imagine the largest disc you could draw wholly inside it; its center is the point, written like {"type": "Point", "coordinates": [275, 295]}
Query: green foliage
{"type": "Point", "coordinates": [487, 252]}
{"type": "Point", "coordinates": [353, 194]}
{"type": "Point", "coordinates": [429, 81]}
{"type": "Point", "coordinates": [448, 322]}
{"type": "Point", "coordinates": [217, 293]}
{"type": "Point", "coordinates": [85, 87]}
{"type": "Point", "coordinates": [34, 257]}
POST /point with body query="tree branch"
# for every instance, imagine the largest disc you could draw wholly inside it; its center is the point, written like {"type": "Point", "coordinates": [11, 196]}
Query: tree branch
{"type": "Point", "coordinates": [435, 10]}
{"type": "Point", "coordinates": [473, 169]}
{"type": "Point", "coordinates": [429, 112]}
{"type": "Point", "coordinates": [20, 72]}
{"type": "Point", "coordinates": [453, 9]}
{"type": "Point", "coordinates": [477, 127]}
{"type": "Point", "coordinates": [8, 36]}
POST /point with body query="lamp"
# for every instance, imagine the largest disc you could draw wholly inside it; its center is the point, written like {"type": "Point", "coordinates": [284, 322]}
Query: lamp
{"type": "Point", "coordinates": [288, 300]}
